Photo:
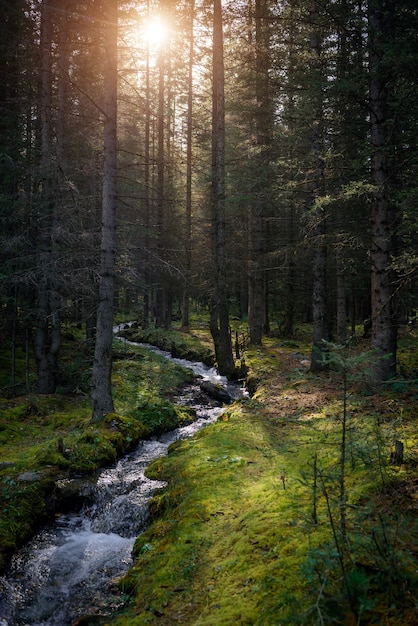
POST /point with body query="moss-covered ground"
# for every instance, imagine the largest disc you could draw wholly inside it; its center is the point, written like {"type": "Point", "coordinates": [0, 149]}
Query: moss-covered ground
{"type": "Point", "coordinates": [249, 530]}
{"type": "Point", "coordinates": [252, 528]}
{"type": "Point", "coordinates": [43, 438]}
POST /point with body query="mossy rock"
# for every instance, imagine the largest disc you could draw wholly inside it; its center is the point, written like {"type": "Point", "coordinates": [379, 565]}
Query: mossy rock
{"type": "Point", "coordinates": [131, 429]}
{"type": "Point", "coordinates": [252, 384]}
{"type": "Point", "coordinates": [161, 416]}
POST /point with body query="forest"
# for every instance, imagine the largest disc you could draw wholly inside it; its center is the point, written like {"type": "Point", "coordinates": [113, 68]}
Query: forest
{"type": "Point", "coordinates": [257, 160]}
{"type": "Point", "coordinates": [239, 180]}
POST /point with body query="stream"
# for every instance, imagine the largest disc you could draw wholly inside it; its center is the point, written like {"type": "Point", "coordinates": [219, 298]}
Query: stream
{"type": "Point", "coordinates": [72, 566]}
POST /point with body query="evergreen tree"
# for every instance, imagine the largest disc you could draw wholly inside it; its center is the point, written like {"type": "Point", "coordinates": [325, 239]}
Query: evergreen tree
{"type": "Point", "coordinates": [219, 315]}
{"type": "Point", "coordinates": [102, 365]}
{"type": "Point", "coordinates": [262, 188]}
{"type": "Point", "coordinates": [48, 326]}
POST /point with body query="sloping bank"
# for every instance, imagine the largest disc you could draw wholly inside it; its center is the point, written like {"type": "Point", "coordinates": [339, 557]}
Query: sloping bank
{"type": "Point", "coordinates": [229, 540]}
{"type": "Point", "coordinates": [223, 542]}
{"type": "Point", "coordinates": [247, 531]}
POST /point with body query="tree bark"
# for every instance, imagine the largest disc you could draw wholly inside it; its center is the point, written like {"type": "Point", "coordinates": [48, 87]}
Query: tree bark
{"type": "Point", "coordinates": [290, 263]}
{"type": "Point", "coordinates": [48, 327]}
{"type": "Point", "coordinates": [341, 296]}
{"type": "Point", "coordinates": [319, 261]}
{"type": "Point", "coordinates": [102, 401]}
{"type": "Point", "coordinates": [257, 315]}
{"type": "Point", "coordinates": [219, 316]}
{"type": "Point", "coordinates": [161, 294]}
{"type": "Point", "coordinates": [384, 325]}
{"type": "Point", "coordinates": [147, 181]}
{"type": "Point", "coordinates": [188, 233]}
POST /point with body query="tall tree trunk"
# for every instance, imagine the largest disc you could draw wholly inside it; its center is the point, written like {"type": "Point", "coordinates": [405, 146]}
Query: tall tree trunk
{"type": "Point", "coordinates": [343, 147]}
{"type": "Point", "coordinates": [290, 263]}
{"type": "Point", "coordinates": [161, 295]}
{"type": "Point", "coordinates": [48, 328]}
{"type": "Point", "coordinates": [102, 400]}
{"type": "Point", "coordinates": [219, 315]}
{"type": "Point", "coordinates": [188, 233]}
{"type": "Point", "coordinates": [319, 261]}
{"type": "Point", "coordinates": [341, 296]}
{"type": "Point", "coordinates": [257, 294]}
{"type": "Point", "coordinates": [384, 325]}
{"type": "Point", "coordinates": [62, 95]}
{"type": "Point", "coordinates": [147, 205]}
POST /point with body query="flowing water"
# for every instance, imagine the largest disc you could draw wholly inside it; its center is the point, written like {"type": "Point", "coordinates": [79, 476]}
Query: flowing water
{"type": "Point", "coordinates": [72, 566]}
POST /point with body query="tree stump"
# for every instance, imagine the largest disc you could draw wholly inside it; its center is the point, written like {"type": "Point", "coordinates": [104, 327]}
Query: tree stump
{"type": "Point", "coordinates": [396, 456]}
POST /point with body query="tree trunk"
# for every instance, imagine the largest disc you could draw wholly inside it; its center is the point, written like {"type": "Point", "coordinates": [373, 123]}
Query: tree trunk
{"type": "Point", "coordinates": [290, 263]}
{"type": "Point", "coordinates": [341, 296]}
{"type": "Point", "coordinates": [319, 261]}
{"type": "Point", "coordinates": [188, 233]}
{"type": "Point", "coordinates": [48, 328]}
{"type": "Point", "coordinates": [219, 316]}
{"type": "Point", "coordinates": [147, 204]}
{"type": "Point", "coordinates": [384, 325]}
{"type": "Point", "coordinates": [160, 300]}
{"type": "Point", "coordinates": [102, 400]}
{"type": "Point", "coordinates": [319, 300]}
{"type": "Point", "coordinates": [396, 456]}
{"type": "Point", "coordinates": [260, 192]}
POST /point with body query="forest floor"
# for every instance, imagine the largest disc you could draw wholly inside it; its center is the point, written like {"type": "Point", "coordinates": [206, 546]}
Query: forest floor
{"type": "Point", "coordinates": [251, 529]}
{"type": "Point", "coordinates": [263, 521]}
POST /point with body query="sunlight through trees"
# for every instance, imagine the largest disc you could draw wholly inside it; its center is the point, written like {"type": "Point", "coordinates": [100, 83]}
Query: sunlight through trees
{"type": "Point", "coordinates": [319, 169]}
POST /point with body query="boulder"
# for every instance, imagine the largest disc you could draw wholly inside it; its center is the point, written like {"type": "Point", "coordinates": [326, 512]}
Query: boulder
{"type": "Point", "coordinates": [216, 391]}
{"type": "Point", "coordinates": [29, 477]}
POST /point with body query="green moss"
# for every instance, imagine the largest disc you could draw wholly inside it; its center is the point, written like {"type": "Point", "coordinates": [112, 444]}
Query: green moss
{"type": "Point", "coordinates": [53, 435]}
{"type": "Point", "coordinates": [233, 538]}
{"type": "Point", "coordinates": [183, 345]}
{"type": "Point", "coordinates": [23, 504]}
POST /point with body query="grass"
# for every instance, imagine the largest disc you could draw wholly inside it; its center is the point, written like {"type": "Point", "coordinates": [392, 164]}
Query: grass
{"type": "Point", "coordinates": [243, 534]}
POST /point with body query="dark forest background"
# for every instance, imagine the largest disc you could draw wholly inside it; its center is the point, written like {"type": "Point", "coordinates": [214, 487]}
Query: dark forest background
{"type": "Point", "coordinates": [263, 166]}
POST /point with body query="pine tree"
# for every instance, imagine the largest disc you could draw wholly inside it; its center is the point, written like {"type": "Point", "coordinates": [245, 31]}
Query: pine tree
{"type": "Point", "coordinates": [219, 315]}
{"type": "Point", "coordinates": [102, 399]}
{"type": "Point", "coordinates": [384, 214]}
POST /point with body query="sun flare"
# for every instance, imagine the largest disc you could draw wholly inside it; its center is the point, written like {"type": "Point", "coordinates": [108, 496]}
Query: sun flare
{"type": "Point", "coordinates": [155, 32]}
